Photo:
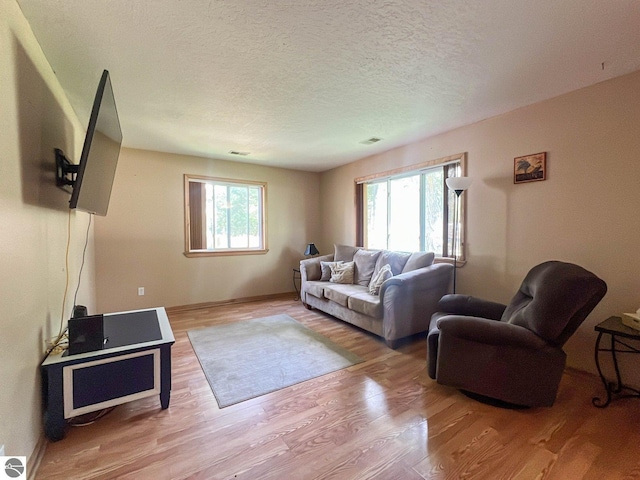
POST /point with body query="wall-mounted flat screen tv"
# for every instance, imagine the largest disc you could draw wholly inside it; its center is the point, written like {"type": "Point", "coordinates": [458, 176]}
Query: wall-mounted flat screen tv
{"type": "Point", "coordinates": [97, 166]}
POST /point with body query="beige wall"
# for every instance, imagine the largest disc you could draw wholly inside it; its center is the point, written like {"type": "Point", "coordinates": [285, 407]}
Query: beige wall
{"type": "Point", "coordinates": [140, 243]}
{"type": "Point", "coordinates": [585, 212]}
{"type": "Point", "coordinates": [35, 117]}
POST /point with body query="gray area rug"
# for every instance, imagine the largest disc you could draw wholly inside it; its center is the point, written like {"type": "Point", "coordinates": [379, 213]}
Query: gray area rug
{"type": "Point", "coordinates": [248, 359]}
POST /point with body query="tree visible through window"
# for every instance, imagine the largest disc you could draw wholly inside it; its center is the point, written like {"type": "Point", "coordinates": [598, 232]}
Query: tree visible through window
{"type": "Point", "coordinates": [224, 216]}
{"type": "Point", "coordinates": [411, 209]}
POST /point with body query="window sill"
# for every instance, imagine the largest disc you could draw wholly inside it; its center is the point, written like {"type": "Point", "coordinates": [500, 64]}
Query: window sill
{"type": "Point", "coordinates": [449, 260]}
{"type": "Point", "coordinates": [219, 253]}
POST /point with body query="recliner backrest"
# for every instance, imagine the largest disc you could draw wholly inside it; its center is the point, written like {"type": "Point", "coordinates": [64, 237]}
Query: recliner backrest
{"type": "Point", "coordinates": [554, 299]}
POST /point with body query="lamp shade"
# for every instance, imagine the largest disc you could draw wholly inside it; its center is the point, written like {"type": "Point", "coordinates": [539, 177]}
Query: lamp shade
{"type": "Point", "coordinates": [311, 250]}
{"type": "Point", "coordinates": [458, 184]}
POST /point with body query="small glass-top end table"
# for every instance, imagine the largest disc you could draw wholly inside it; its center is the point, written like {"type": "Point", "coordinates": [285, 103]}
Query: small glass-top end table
{"type": "Point", "coordinates": [616, 330]}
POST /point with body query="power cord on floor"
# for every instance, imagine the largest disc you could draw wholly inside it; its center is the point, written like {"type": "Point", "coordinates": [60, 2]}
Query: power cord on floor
{"type": "Point", "coordinates": [89, 418]}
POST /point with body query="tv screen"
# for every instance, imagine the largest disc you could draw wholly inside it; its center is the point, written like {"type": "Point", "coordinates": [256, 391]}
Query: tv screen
{"type": "Point", "coordinates": [97, 166]}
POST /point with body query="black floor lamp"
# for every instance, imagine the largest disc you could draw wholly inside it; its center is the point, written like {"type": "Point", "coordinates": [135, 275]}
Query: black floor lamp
{"type": "Point", "coordinates": [458, 185]}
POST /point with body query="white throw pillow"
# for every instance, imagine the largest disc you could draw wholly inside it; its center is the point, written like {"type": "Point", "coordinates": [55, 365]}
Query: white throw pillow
{"type": "Point", "coordinates": [342, 272]}
{"type": "Point", "coordinates": [376, 282]}
{"type": "Point", "coordinates": [325, 268]}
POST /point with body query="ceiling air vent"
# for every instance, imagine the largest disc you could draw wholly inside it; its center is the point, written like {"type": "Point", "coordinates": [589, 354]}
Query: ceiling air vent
{"type": "Point", "coordinates": [242, 154]}
{"type": "Point", "coordinates": [371, 141]}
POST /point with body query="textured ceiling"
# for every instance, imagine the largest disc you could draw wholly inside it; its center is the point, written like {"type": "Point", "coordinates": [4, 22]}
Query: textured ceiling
{"type": "Point", "coordinates": [300, 84]}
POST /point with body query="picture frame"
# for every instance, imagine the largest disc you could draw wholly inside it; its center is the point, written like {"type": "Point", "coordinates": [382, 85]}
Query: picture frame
{"type": "Point", "coordinates": [530, 168]}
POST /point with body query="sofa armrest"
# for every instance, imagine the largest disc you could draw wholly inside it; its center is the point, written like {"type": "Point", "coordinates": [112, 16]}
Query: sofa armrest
{"type": "Point", "coordinates": [489, 332]}
{"type": "Point", "coordinates": [433, 276]}
{"type": "Point", "coordinates": [310, 267]}
{"type": "Point", "coordinates": [475, 307]}
{"type": "Point", "coordinates": [409, 299]}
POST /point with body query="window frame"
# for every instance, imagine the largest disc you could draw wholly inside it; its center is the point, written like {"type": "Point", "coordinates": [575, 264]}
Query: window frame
{"type": "Point", "coordinates": [418, 169]}
{"type": "Point", "coordinates": [194, 252]}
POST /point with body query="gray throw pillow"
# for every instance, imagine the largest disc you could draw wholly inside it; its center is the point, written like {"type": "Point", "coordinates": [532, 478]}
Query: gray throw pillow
{"type": "Point", "coordinates": [418, 260]}
{"type": "Point", "coordinates": [325, 269]}
{"type": "Point", "coordinates": [365, 261]}
{"type": "Point", "coordinates": [396, 260]}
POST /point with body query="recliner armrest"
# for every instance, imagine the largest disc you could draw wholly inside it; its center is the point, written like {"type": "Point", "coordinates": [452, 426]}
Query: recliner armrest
{"type": "Point", "coordinates": [482, 330]}
{"type": "Point", "coordinates": [472, 306]}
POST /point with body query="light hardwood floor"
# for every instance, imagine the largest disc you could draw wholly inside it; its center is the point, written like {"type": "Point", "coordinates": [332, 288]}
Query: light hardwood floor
{"type": "Point", "coordinates": [383, 419]}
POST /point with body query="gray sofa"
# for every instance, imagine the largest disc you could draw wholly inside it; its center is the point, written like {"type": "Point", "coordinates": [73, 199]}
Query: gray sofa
{"type": "Point", "coordinates": [405, 301]}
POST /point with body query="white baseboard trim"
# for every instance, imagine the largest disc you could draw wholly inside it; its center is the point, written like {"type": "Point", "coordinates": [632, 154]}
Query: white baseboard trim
{"type": "Point", "coordinates": [197, 306]}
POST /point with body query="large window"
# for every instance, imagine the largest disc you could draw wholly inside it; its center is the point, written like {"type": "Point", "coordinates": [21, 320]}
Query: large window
{"type": "Point", "coordinates": [224, 217]}
{"type": "Point", "coordinates": [411, 209]}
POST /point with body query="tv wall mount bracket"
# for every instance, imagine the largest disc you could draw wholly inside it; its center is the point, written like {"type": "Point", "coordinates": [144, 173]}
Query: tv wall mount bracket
{"type": "Point", "coordinates": [66, 172]}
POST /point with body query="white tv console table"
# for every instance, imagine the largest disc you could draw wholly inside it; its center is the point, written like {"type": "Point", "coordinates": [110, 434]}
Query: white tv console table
{"type": "Point", "coordinates": [135, 362]}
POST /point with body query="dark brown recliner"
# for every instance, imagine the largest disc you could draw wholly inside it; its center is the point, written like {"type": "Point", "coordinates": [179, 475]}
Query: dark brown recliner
{"type": "Point", "coordinates": [513, 353]}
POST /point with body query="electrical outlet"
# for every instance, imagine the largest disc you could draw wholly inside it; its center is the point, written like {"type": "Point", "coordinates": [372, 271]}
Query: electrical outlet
{"type": "Point", "coordinates": [140, 291]}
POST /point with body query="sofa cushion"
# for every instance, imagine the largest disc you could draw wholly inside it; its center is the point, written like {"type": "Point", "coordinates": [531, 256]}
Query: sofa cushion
{"type": "Point", "coordinates": [342, 272]}
{"type": "Point", "coordinates": [315, 288]}
{"type": "Point", "coordinates": [340, 293]}
{"type": "Point", "coordinates": [344, 253]}
{"type": "Point", "coordinates": [366, 304]}
{"type": "Point", "coordinates": [325, 269]}
{"type": "Point", "coordinates": [396, 260]}
{"type": "Point", "coordinates": [376, 282]}
{"type": "Point", "coordinates": [365, 261]}
{"type": "Point", "coordinates": [418, 260]}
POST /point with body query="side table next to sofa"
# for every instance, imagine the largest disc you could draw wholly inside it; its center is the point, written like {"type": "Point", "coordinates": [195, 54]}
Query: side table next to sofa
{"type": "Point", "coordinates": [614, 327]}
